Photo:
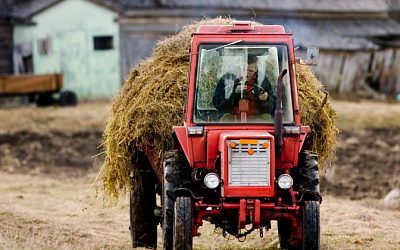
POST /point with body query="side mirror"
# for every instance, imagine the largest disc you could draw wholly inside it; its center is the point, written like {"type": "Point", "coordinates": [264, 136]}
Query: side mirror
{"type": "Point", "coordinates": [312, 57]}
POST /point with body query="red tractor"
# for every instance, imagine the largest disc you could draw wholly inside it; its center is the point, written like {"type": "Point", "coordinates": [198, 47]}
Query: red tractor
{"type": "Point", "coordinates": [241, 157]}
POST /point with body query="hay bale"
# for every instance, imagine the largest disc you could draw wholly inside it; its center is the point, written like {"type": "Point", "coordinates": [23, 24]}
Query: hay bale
{"type": "Point", "coordinates": [151, 101]}
{"type": "Point", "coordinates": [322, 136]}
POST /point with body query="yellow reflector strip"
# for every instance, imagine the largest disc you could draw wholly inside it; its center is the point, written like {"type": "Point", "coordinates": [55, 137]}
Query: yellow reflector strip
{"type": "Point", "coordinates": [247, 141]}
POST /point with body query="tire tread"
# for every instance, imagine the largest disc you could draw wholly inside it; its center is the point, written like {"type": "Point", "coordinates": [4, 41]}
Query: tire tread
{"type": "Point", "coordinates": [311, 225]}
{"type": "Point", "coordinates": [183, 221]}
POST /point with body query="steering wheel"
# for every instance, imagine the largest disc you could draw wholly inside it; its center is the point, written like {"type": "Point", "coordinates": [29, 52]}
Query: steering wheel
{"type": "Point", "coordinates": [253, 86]}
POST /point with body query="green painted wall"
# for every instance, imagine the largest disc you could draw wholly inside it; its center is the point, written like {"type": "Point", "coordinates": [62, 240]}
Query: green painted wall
{"type": "Point", "coordinates": [70, 27]}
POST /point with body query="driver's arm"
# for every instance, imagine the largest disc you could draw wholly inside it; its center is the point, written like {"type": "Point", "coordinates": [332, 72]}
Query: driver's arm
{"type": "Point", "coordinates": [219, 101]}
{"type": "Point", "coordinates": [266, 101]}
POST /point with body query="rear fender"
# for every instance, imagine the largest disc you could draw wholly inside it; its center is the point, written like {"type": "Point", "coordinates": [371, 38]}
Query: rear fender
{"type": "Point", "coordinates": [303, 134]}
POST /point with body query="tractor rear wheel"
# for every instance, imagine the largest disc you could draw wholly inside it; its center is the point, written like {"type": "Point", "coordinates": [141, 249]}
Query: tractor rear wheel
{"type": "Point", "coordinates": [183, 222]}
{"type": "Point", "coordinates": [311, 226]}
{"type": "Point", "coordinates": [143, 222]}
{"type": "Point", "coordinates": [306, 174]}
{"type": "Point", "coordinates": [172, 166]}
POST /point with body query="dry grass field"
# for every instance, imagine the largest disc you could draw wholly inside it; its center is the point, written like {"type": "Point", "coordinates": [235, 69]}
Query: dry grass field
{"type": "Point", "coordinates": [50, 199]}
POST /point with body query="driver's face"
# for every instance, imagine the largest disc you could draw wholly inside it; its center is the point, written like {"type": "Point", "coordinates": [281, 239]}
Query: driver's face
{"type": "Point", "coordinates": [251, 70]}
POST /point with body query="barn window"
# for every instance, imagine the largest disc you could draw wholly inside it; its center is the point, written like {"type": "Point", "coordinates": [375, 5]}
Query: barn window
{"type": "Point", "coordinates": [103, 42]}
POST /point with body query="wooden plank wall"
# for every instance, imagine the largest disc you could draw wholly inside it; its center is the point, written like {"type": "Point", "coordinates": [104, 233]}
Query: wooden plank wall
{"type": "Point", "coordinates": [138, 37]}
{"type": "Point", "coordinates": [344, 71]}
{"type": "Point", "coordinates": [328, 70]}
{"type": "Point", "coordinates": [5, 46]}
{"type": "Point", "coordinates": [396, 71]}
{"type": "Point", "coordinates": [355, 70]}
{"type": "Point", "coordinates": [385, 70]}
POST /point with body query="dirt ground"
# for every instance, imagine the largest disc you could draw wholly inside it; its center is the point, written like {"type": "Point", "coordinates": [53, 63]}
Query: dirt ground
{"type": "Point", "coordinates": [367, 162]}
{"type": "Point", "coordinates": [50, 195]}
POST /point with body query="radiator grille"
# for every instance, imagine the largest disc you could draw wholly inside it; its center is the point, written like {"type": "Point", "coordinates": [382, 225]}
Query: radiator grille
{"type": "Point", "coordinates": [249, 170]}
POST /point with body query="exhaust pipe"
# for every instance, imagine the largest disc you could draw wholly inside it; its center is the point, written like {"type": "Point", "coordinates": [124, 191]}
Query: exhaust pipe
{"type": "Point", "coordinates": [278, 127]}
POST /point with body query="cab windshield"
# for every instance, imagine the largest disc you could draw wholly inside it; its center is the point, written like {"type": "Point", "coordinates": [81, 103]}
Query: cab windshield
{"type": "Point", "coordinates": [237, 83]}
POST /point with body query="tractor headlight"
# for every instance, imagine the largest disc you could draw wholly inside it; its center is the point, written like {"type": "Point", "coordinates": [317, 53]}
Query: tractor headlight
{"type": "Point", "coordinates": [285, 181]}
{"type": "Point", "coordinates": [211, 180]}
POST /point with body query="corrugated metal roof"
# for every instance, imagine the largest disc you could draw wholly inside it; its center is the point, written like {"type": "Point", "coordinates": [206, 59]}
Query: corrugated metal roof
{"type": "Point", "coordinates": [27, 8]}
{"type": "Point", "coordinates": [333, 34]}
{"type": "Point", "coordinates": [393, 5]}
{"type": "Point", "coordinates": [291, 5]}
{"type": "Point", "coordinates": [131, 4]}
{"type": "Point", "coordinates": [357, 6]}
{"type": "Point", "coordinates": [30, 8]}
{"type": "Point", "coordinates": [337, 34]}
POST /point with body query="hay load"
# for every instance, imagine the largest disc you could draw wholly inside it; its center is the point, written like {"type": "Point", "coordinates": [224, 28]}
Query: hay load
{"type": "Point", "coordinates": [151, 101]}
{"type": "Point", "coordinates": [322, 136]}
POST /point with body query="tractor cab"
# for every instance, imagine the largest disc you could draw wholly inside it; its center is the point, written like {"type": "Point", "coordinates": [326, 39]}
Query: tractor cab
{"type": "Point", "coordinates": [237, 83]}
{"type": "Point", "coordinates": [239, 160]}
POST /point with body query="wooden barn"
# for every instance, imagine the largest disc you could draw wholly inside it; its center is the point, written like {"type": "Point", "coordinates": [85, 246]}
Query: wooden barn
{"type": "Point", "coordinates": [359, 41]}
{"type": "Point", "coordinates": [357, 55]}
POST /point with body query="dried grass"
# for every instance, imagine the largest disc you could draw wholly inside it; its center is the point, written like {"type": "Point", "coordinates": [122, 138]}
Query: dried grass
{"type": "Point", "coordinates": [322, 136]}
{"type": "Point", "coordinates": [152, 100]}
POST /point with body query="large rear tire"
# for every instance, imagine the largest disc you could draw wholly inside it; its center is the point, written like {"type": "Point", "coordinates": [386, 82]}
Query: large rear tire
{"type": "Point", "coordinates": [306, 174]}
{"type": "Point", "coordinates": [143, 222]}
{"type": "Point", "coordinates": [183, 222]}
{"type": "Point", "coordinates": [172, 166]}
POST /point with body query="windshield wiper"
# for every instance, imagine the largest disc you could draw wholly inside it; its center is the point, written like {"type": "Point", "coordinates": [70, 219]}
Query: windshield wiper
{"type": "Point", "coordinates": [226, 45]}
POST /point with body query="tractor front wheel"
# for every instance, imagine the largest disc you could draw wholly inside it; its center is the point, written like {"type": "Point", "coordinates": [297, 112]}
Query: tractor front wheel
{"type": "Point", "coordinates": [183, 222]}
{"type": "Point", "coordinates": [311, 227]}
{"type": "Point", "coordinates": [172, 166]}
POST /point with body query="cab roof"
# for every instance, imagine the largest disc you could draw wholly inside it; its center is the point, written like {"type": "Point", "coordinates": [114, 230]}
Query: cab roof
{"type": "Point", "coordinates": [241, 27]}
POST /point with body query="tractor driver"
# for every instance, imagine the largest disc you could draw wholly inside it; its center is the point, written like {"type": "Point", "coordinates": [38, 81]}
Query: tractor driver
{"type": "Point", "coordinates": [261, 99]}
